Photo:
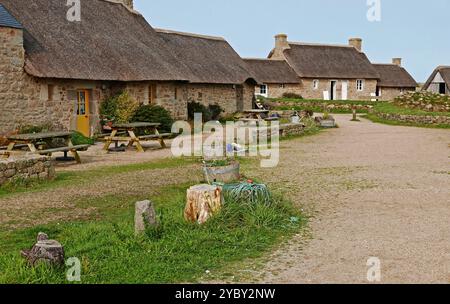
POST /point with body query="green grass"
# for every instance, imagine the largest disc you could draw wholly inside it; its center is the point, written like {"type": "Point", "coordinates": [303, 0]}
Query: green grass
{"type": "Point", "coordinates": [79, 178]}
{"type": "Point", "coordinates": [391, 108]}
{"type": "Point", "coordinates": [374, 118]}
{"type": "Point", "coordinates": [316, 105]}
{"type": "Point", "coordinates": [110, 253]}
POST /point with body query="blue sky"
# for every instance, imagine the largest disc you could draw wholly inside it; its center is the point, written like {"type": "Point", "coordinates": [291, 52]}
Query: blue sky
{"type": "Point", "coordinates": [415, 30]}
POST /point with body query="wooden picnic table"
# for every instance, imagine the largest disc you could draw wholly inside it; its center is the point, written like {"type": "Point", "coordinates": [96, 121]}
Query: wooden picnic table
{"type": "Point", "coordinates": [38, 143]}
{"type": "Point", "coordinates": [132, 139]}
{"type": "Point", "coordinates": [256, 114]}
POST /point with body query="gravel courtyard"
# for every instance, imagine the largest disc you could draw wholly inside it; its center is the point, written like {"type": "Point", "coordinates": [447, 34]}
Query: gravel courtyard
{"type": "Point", "coordinates": [373, 191]}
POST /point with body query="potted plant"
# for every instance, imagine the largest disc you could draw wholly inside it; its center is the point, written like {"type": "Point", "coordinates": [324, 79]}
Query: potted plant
{"type": "Point", "coordinates": [221, 170]}
{"type": "Point", "coordinates": [327, 121]}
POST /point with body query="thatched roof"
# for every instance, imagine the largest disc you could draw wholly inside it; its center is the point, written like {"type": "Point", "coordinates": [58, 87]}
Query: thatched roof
{"type": "Point", "coordinates": [329, 61]}
{"type": "Point", "coordinates": [7, 20]}
{"type": "Point", "coordinates": [110, 43]}
{"type": "Point", "coordinates": [394, 76]}
{"type": "Point", "coordinates": [445, 74]}
{"type": "Point", "coordinates": [210, 59]}
{"type": "Point", "coordinates": [272, 71]}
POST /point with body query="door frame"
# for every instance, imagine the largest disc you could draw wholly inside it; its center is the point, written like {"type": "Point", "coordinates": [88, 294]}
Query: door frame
{"type": "Point", "coordinates": [87, 114]}
{"type": "Point", "coordinates": [333, 89]}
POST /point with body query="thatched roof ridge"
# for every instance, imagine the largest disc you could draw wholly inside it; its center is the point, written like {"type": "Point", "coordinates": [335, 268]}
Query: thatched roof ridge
{"type": "Point", "coordinates": [445, 74]}
{"type": "Point", "coordinates": [110, 43]}
{"type": "Point", "coordinates": [329, 61]}
{"type": "Point", "coordinates": [394, 76]}
{"type": "Point", "coordinates": [209, 59]}
{"type": "Point", "coordinates": [272, 71]}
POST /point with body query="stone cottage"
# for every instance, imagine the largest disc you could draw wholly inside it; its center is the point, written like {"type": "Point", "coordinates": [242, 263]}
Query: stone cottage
{"type": "Point", "coordinates": [54, 70]}
{"type": "Point", "coordinates": [330, 72]}
{"type": "Point", "coordinates": [439, 81]}
{"type": "Point", "coordinates": [276, 76]}
{"type": "Point", "coordinates": [218, 74]}
{"type": "Point", "coordinates": [394, 80]}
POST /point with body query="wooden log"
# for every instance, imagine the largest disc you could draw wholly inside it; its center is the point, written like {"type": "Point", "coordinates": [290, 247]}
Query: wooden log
{"type": "Point", "coordinates": [203, 202]}
{"type": "Point", "coordinates": [45, 250]}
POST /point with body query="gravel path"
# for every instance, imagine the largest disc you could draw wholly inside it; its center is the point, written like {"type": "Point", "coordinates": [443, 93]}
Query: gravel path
{"type": "Point", "coordinates": [374, 191]}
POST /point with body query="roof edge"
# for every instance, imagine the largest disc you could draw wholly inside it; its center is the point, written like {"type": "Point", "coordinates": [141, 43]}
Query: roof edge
{"type": "Point", "coordinates": [166, 31]}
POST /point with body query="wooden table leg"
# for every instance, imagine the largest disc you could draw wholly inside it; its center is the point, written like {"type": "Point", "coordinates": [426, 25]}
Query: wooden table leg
{"type": "Point", "coordinates": [9, 150]}
{"type": "Point", "coordinates": [136, 140]}
{"type": "Point", "coordinates": [160, 140]}
{"type": "Point", "coordinates": [76, 156]}
{"type": "Point", "coordinates": [109, 141]}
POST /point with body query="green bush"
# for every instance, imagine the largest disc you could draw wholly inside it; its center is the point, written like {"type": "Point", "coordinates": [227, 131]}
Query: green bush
{"type": "Point", "coordinates": [292, 96]}
{"type": "Point", "coordinates": [211, 112]}
{"type": "Point", "coordinates": [119, 108]}
{"type": "Point", "coordinates": [151, 113]}
{"type": "Point", "coordinates": [80, 139]}
{"type": "Point", "coordinates": [27, 129]}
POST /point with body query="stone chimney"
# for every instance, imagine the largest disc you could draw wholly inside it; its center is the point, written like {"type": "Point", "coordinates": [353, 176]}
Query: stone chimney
{"type": "Point", "coordinates": [397, 61]}
{"type": "Point", "coordinates": [356, 43]}
{"type": "Point", "coordinates": [128, 3]}
{"type": "Point", "coordinates": [281, 44]}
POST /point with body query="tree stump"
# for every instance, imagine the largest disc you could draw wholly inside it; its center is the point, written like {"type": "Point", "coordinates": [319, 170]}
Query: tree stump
{"type": "Point", "coordinates": [203, 201]}
{"type": "Point", "coordinates": [145, 214]}
{"type": "Point", "coordinates": [45, 250]}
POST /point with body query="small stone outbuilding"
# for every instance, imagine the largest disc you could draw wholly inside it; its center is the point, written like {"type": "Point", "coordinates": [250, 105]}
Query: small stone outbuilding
{"type": "Point", "coordinates": [439, 81]}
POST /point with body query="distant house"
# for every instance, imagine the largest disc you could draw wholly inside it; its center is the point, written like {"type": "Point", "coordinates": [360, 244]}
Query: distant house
{"type": "Point", "coordinates": [276, 77]}
{"type": "Point", "coordinates": [439, 81]}
{"type": "Point", "coordinates": [219, 75]}
{"type": "Point", "coordinates": [329, 72]}
{"type": "Point", "coordinates": [58, 71]}
{"type": "Point", "coordinates": [394, 80]}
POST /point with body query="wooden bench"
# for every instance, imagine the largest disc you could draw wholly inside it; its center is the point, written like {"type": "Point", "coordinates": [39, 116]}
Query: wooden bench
{"type": "Point", "coordinates": [73, 149]}
{"type": "Point", "coordinates": [156, 136]}
{"type": "Point", "coordinates": [16, 146]}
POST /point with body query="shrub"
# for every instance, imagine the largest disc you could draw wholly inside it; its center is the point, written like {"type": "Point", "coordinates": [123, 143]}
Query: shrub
{"type": "Point", "coordinates": [126, 108]}
{"type": "Point", "coordinates": [292, 96]}
{"type": "Point", "coordinates": [211, 112]}
{"type": "Point", "coordinates": [27, 129]}
{"type": "Point", "coordinates": [80, 139]}
{"type": "Point", "coordinates": [119, 108]}
{"type": "Point", "coordinates": [151, 113]}
{"type": "Point", "coordinates": [216, 111]}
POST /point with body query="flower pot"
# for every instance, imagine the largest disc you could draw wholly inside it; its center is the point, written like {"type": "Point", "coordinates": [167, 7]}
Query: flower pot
{"type": "Point", "coordinates": [328, 123]}
{"type": "Point", "coordinates": [223, 174]}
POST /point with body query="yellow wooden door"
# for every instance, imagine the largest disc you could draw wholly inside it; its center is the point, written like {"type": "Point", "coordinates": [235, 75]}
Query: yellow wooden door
{"type": "Point", "coordinates": [83, 125]}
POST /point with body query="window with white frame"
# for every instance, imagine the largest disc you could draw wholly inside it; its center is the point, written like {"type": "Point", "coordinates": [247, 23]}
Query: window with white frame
{"type": "Point", "coordinates": [263, 90]}
{"type": "Point", "coordinates": [360, 85]}
{"type": "Point", "coordinates": [316, 84]}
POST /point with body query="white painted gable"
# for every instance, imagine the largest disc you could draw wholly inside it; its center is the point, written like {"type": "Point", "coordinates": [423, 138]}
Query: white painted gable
{"type": "Point", "coordinates": [438, 78]}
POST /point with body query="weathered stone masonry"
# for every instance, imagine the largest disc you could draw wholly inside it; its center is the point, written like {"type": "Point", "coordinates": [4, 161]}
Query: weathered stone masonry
{"type": "Point", "coordinates": [26, 168]}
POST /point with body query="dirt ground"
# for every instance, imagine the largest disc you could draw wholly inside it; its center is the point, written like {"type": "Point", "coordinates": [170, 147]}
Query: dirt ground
{"type": "Point", "coordinates": [373, 191]}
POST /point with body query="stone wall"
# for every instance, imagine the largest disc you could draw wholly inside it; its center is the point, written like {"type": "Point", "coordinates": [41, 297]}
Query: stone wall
{"type": "Point", "coordinates": [330, 105]}
{"type": "Point", "coordinates": [291, 129]}
{"type": "Point", "coordinates": [26, 168]}
{"type": "Point", "coordinates": [389, 94]}
{"type": "Point", "coordinates": [276, 90]}
{"type": "Point", "coordinates": [416, 119]}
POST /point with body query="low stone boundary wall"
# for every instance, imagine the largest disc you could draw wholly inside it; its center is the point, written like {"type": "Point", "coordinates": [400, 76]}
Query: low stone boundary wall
{"type": "Point", "coordinates": [291, 129]}
{"type": "Point", "coordinates": [419, 119]}
{"type": "Point", "coordinates": [322, 105]}
{"type": "Point", "coordinates": [39, 167]}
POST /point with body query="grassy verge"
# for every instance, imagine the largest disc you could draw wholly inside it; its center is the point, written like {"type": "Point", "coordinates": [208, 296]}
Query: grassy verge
{"type": "Point", "coordinates": [78, 178]}
{"type": "Point", "coordinates": [182, 252]}
{"type": "Point", "coordinates": [394, 109]}
{"type": "Point", "coordinates": [317, 105]}
{"type": "Point", "coordinates": [374, 118]}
